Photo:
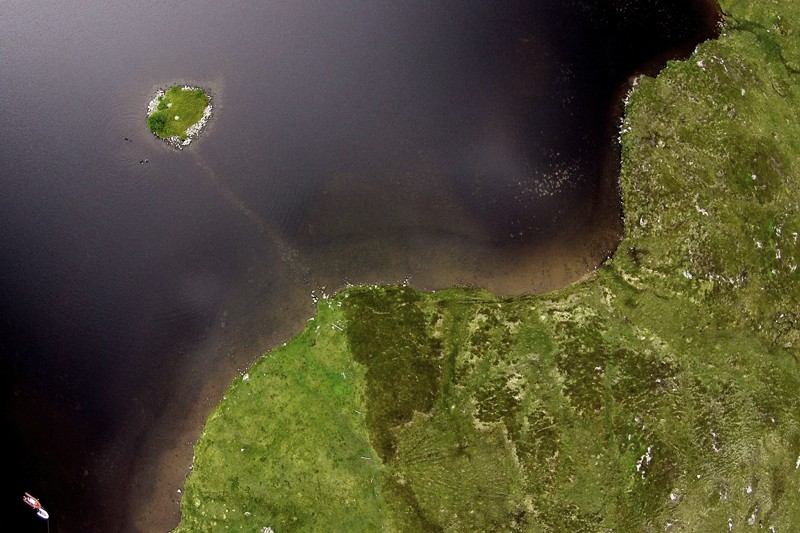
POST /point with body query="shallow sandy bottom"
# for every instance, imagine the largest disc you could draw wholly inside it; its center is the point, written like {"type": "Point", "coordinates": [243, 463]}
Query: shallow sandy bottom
{"type": "Point", "coordinates": [164, 458]}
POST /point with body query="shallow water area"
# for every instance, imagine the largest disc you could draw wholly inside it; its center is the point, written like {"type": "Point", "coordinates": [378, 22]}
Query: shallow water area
{"type": "Point", "coordinates": [445, 143]}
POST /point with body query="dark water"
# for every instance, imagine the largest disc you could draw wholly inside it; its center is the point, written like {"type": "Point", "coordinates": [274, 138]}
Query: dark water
{"type": "Point", "coordinates": [436, 142]}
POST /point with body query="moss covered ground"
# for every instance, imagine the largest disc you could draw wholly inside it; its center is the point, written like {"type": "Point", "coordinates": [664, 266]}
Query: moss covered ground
{"type": "Point", "coordinates": [178, 109]}
{"type": "Point", "coordinates": [663, 393]}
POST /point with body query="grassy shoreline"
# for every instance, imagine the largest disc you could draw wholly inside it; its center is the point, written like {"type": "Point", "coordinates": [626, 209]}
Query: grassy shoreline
{"type": "Point", "coordinates": [662, 393]}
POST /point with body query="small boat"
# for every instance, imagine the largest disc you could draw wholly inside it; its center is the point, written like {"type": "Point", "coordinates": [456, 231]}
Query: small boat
{"type": "Point", "coordinates": [33, 502]}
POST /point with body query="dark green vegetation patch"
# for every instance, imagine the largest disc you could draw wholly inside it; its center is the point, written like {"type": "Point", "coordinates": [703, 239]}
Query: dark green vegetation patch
{"type": "Point", "coordinates": [663, 394]}
{"type": "Point", "coordinates": [177, 110]}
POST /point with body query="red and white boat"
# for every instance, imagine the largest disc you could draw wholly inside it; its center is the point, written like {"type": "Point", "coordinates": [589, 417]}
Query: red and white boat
{"type": "Point", "coordinates": [33, 502]}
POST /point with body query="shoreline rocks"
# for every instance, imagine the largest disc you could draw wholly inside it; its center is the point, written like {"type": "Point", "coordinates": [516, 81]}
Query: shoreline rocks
{"type": "Point", "coordinates": [193, 131]}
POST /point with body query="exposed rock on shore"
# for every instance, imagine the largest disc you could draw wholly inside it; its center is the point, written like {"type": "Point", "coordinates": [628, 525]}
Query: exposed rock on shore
{"type": "Point", "coordinates": [193, 131]}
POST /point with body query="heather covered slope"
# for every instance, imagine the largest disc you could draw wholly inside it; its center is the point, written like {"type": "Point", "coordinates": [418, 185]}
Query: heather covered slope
{"type": "Point", "coordinates": [662, 393]}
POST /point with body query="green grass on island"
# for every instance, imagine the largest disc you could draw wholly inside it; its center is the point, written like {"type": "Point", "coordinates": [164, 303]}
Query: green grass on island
{"type": "Point", "coordinates": [177, 110]}
{"type": "Point", "coordinates": [662, 394]}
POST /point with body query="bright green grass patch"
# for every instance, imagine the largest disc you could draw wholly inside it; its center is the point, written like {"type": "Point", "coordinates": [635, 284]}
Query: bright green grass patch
{"type": "Point", "coordinates": [663, 394]}
{"type": "Point", "coordinates": [287, 448]}
{"type": "Point", "coordinates": [178, 109]}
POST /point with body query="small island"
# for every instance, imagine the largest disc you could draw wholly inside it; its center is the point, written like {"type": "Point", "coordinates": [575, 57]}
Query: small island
{"type": "Point", "coordinates": [178, 114]}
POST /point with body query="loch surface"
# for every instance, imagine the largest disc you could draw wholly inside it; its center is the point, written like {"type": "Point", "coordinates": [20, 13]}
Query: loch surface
{"type": "Point", "coordinates": [434, 143]}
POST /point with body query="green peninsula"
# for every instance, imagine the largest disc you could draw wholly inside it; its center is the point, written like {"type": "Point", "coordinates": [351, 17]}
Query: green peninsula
{"type": "Point", "coordinates": [661, 394]}
{"type": "Point", "coordinates": [178, 114]}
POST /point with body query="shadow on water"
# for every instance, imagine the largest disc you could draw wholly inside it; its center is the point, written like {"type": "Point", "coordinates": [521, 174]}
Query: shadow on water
{"type": "Point", "coordinates": [440, 143]}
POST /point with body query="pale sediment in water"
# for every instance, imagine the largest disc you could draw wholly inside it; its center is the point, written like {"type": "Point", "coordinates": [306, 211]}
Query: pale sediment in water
{"type": "Point", "coordinates": [193, 131]}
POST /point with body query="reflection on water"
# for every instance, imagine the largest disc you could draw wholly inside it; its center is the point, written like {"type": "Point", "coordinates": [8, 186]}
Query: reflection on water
{"type": "Point", "coordinates": [449, 142]}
